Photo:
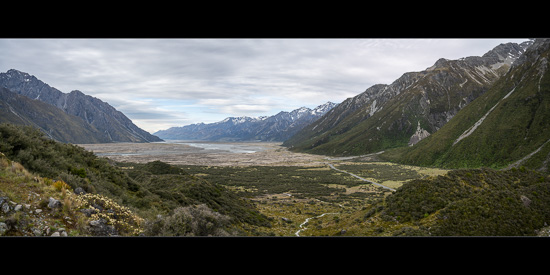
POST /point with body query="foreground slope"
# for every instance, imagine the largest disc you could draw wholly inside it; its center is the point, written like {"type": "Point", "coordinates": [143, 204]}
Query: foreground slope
{"type": "Point", "coordinates": [35, 206]}
{"type": "Point", "coordinates": [408, 110]}
{"type": "Point", "coordinates": [508, 125]}
{"type": "Point", "coordinates": [149, 190]}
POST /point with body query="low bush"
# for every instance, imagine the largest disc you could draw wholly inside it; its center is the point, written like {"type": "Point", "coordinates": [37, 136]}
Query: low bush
{"type": "Point", "coordinates": [190, 221]}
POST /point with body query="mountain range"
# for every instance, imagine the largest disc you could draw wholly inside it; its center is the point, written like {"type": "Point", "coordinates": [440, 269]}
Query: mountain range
{"type": "Point", "coordinates": [91, 119]}
{"type": "Point", "coordinates": [413, 107]}
{"type": "Point", "coordinates": [278, 127]}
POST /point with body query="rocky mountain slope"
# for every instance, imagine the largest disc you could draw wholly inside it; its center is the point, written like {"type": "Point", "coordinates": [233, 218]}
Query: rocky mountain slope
{"type": "Point", "coordinates": [113, 125]}
{"type": "Point", "coordinates": [278, 127]}
{"type": "Point", "coordinates": [507, 126]}
{"type": "Point", "coordinates": [55, 123]}
{"type": "Point", "coordinates": [408, 110]}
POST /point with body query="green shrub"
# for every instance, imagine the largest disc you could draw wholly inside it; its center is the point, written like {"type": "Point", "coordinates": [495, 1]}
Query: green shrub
{"type": "Point", "coordinates": [78, 172]}
{"type": "Point", "coordinates": [190, 221]}
{"type": "Point", "coordinates": [476, 202]}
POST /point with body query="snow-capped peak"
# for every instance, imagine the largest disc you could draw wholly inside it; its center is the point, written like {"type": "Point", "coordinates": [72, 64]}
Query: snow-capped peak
{"type": "Point", "coordinates": [318, 111]}
{"type": "Point", "coordinates": [237, 120]}
{"type": "Point", "coordinates": [321, 109]}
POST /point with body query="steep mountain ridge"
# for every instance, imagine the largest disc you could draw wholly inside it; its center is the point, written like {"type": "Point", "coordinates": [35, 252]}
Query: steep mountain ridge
{"type": "Point", "coordinates": [113, 125]}
{"type": "Point", "coordinates": [508, 126]}
{"type": "Point", "coordinates": [55, 123]}
{"type": "Point", "coordinates": [278, 127]}
{"type": "Point", "coordinates": [408, 110]}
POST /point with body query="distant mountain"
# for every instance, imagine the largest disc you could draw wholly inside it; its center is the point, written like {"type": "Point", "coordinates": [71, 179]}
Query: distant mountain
{"type": "Point", "coordinates": [408, 110]}
{"type": "Point", "coordinates": [508, 126]}
{"type": "Point", "coordinates": [113, 125]}
{"type": "Point", "coordinates": [278, 127]}
{"type": "Point", "coordinates": [56, 124]}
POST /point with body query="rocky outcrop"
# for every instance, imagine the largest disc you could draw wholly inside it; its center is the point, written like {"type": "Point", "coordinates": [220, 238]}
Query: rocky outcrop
{"type": "Point", "coordinates": [37, 216]}
{"type": "Point", "coordinates": [419, 135]}
{"type": "Point", "coordinates": [16, 218]}
{"type": "Point", "coordinates": [44, 219]}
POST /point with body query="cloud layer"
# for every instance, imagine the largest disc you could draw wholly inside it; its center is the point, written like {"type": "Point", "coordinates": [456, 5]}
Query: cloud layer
{"type": "Point", "coordinates": [160, 83]}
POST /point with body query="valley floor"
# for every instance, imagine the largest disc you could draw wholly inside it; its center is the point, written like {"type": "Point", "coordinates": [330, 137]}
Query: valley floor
{"type": "Point", "coordinates": [182, 153]}
{"type": "Point", "coordinates": [296, 191]}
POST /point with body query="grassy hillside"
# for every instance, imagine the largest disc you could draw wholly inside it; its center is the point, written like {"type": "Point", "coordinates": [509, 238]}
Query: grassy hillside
{"type": "Point", "coordinates": [370, 135]}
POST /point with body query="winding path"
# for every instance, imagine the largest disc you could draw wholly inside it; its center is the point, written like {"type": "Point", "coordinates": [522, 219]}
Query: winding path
{"type": "Point", "coordinates": [363, 179]}
{"type": "Point", "coordinates": [307, 220]}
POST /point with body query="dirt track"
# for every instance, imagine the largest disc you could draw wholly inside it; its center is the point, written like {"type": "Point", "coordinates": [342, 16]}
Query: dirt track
{"type": "Point", "coordinates": [271, 154]}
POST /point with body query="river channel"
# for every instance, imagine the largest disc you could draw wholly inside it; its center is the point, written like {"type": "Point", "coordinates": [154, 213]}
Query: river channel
{"type": "Point", "coordinates": [238, 148]}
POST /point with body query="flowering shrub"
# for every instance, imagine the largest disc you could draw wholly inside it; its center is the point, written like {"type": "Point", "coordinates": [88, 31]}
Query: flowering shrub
{"type": "Point", "coordinates": [125, 222]}
{"type": "Point", "coordinates": [59, 185]}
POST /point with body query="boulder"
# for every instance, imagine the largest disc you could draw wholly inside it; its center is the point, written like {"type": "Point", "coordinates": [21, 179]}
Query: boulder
{"type": "Point", "coordinates": [53, 203]}
{"type": "Point", "coordinates": [3, 228]}
{"type": "Point", "coordinates": [101, 228]}
{"type": "Point", "coordinates": [88, 212]}
{"type": "Point", "coordinates": [5, 207]}
{"type": "Point", "coordinates": [80, 191]}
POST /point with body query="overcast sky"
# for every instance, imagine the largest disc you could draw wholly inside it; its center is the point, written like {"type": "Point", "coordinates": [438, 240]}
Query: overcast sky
{"type": "Point", "coordinates": [161, 83]}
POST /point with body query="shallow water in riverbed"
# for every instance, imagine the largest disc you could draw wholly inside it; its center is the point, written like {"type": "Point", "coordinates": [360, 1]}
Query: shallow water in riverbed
{"type": "Point", "coordinates": [246, 148]}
